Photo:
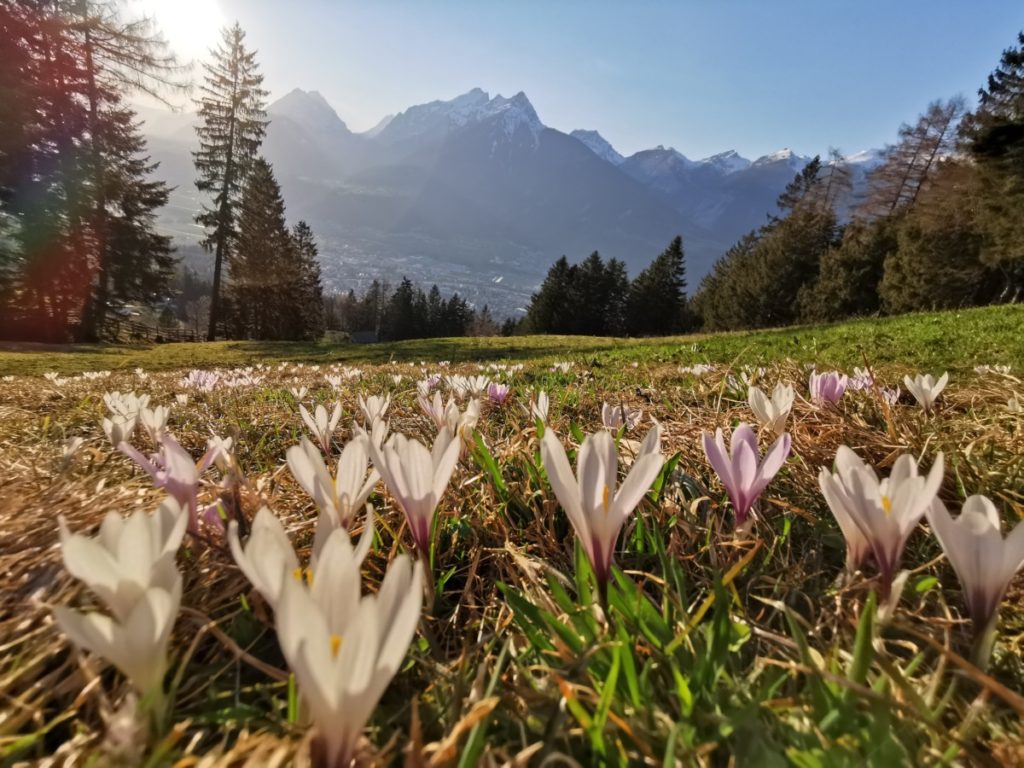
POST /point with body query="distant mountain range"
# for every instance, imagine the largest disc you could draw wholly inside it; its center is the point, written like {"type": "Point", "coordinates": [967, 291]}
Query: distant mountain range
{"type": "Point", "coordinates": [477, 195]}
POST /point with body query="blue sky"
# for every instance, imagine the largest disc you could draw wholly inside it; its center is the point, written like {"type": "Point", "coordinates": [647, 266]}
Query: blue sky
{"type": "Point", "coordinates": [700, 76]}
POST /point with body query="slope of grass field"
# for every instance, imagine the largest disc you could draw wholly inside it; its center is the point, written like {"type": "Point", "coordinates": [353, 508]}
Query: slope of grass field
{"type": "Point", "coordinates": [956, 340]}
{"type": "Point", "coordinates": [712, 648]}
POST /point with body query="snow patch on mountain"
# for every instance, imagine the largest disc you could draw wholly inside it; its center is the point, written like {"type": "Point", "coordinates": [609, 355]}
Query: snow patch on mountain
{"type": "Point", "coordinates": [727, 162]}
{"type": "Point", "coordinates": [599, 145]}
{"type": "Point", "coordinates": [787, 156]}
{"type": "Point", "coordinates": [473, 107]}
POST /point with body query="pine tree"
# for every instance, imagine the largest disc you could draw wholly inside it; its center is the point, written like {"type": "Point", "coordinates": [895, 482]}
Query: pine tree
{"type": "Point", "coordinates": [657, 298]}
{"type": "Point", "coordinates": [264, 276]}
{"type": "Point", "coordinates": [553, 308]}
{"type": "Point", "coordinates": [232, 125]}
{"type": "Point", "coordinates": [118, 57]}
{"type": "Point", "coordinates": [803, 185]}
{"type": "Point", "coordinates": [617, 297]}
{"type": "Point", "coordinates": [909, 164]}
{"type": "Point", "coordinates": [994, 136]}
{"type": "Point", "coordinates": [310, 299]}
{"type": "Point", "coordinates": [850, 273]}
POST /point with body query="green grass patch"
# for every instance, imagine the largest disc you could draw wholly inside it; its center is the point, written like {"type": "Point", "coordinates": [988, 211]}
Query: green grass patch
{"type": "Point", "coordinates": [953, 340]}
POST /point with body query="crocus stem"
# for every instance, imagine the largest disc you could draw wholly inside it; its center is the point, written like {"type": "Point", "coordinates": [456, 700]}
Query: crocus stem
{"type": "Point", "coordinates": [984, 642]}
{"type": "Point", "coordinates": [429, 590]}
{"type": "Point", "coordinates": [154, 706]}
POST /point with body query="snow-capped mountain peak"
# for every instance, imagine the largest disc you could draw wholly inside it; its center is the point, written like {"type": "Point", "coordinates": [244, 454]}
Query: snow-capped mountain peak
{"type": "Point", "coordinates": [437, 118]}
{"type": "Point", "coordinates": [599, 145]}
{"type": "Point", "coordinates": [513, 113]}
{"type": "Point", "coordinates": [727, 162]}
{"type": "Point", "coordinates": [785, 155]}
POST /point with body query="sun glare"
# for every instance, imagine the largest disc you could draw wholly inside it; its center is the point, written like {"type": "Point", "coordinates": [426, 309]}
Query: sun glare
{"type": "Point", "coordinates": [191, 27]}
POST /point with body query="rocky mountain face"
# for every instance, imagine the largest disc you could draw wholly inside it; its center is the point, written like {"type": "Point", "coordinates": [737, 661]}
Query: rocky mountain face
{"type": "Point", "coordinates": [477, 195]}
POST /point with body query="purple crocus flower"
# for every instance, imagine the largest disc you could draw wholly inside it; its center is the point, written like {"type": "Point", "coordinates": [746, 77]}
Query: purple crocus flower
{"type": "Point", "coordinates": [173, 470]}
{"type": "Point", "coordinates": [498, 393]}
{"type": "Point", "coordinates": [741, 471]}
{"type": "Point", "coordinates": [828, 388]}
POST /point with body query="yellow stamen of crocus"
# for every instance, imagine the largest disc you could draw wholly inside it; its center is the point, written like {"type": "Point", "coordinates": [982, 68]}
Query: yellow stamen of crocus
{"type": "Point", "coordinates": [335, 644]}
{"type": "Point", "coordinates": [303, 574]}
{"type": "Point", "coordinates": [887, 505]}
{"type": "Point", "coordinates": [605, 499]}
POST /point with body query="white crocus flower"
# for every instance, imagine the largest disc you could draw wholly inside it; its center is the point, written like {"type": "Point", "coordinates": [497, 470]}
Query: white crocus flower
{"type": "Point", "coordinates": [417, 478]}
{"type": "Point", "coordinates": [321, 424]}
{"type": "Point", "coordinates": [128, 556]}
{"type": "Point", "coordinates": [772, 414]}
{"type": "Point", "coordinates": [437, 410]}
{"type": "Point", "coordinates": [886, 512]}
{"type": "Point", "coordinates": [614, 416]}
{"type": "Point", "coordinates": [345, 651]}
{"type": "Point", "coordinates": [984, 561]}
{"type": "Point", "coordinates": [596, 511]}
{"type": "Point", "coordinates": [127, 404]}
{"type": "Point", "coordinates": [181, 399]}
{"type": "Point", "coordinates": [268, 558]}
{"type": "Point", "coordinates": [154, 421]}
{"type": "Point", "coordinates": [540, 407]}
{"type": "Point", "coordinates": [340, 497]}
{"type": "Point", "coordinates": [137, 644]}
{"type": "Point", "coordinates": [374, 408]}
{"type": "Point", "coordinates": [376, 433]}
{"type": "Point", "coordinates": [119, 428]}
{"type": "Point", "coordinates": [130, 566]}
{"type": "Point", "coordinates": [926, 389]}
{"type": "Point", "coordinates": [299, 392]}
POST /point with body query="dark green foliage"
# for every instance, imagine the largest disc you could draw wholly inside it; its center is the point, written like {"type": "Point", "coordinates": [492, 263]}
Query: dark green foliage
{"type": "Point", "coordinates": [850, 273]}
{"type": "Point", "coordinates": [269, 282]}
{"type": "Point", "coordinates": [77, 197]}
{"type": "Point", "coordinates": [231, 129]}
{"type": "Point", "coordinates": [994, 136]}
{"type": "Point", "coordinates": [310, 294]}
{"type": "Point", "coordinates": [657, 298]}
{"type": "Point", "coordinates": [406, 313]}
{"type": "Point", "coordinates": [760, 281]}
{"type": "Point", "coordinates": [587, 298]}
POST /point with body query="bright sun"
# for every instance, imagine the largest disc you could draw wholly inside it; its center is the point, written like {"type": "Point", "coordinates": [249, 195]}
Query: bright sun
{"type": "Point", "coordinates": [191, 27]}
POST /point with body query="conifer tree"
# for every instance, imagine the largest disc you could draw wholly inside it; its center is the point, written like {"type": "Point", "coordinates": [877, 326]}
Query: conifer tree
{"type": "Point", "coordinates": [264, 269]}
{"type": "Point", "coordinates": [552, 309]}
{"type": "Point", "coordinates": [994, 136]}
{"type": "Point", "coordinates": [657, 298]}
{"type": "Point", "coordinates": [909, 164]}
{"type": "Point", "coordinates": [118, 57]}
{"type": "Point", "coordinates": [309, 309]}
{"type": "Point", "coordinates": [232, 125]}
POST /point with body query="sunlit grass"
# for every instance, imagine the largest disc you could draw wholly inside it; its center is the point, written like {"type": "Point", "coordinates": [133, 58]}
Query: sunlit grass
{"type": "Point", "coordinates": [955, 340]}
{"type": "Point", "coordinates": [710, 647]}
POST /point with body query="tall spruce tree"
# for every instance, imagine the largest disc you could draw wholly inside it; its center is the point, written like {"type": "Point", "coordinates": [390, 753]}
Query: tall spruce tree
{"type": "Point", "coordinates": [232, 125]}
{"type": "Point", "coordinates": [309, 309]}
{"type": "Point", "coordinates": [657, 298]}
{"type": "Point", "coordinates": [264, 274]}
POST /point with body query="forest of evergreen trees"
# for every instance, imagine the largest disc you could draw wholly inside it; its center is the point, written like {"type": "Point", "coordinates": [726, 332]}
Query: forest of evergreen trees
{"type": "Point", "coordinates": [78, 199]}
{"type": "Point", "coordinates": [939, 224]}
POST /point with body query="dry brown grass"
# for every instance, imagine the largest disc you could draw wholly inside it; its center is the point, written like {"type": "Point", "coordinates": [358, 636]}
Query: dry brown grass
{"type": "Point", "coordinates": [231, 700]}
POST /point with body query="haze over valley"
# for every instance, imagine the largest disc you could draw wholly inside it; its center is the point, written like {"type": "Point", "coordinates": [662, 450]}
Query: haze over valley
{"type": "Point", "coordinates": [478, 195]}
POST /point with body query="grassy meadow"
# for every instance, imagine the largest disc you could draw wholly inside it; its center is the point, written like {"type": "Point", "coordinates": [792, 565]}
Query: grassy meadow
{"type": "Point", "coordinates": [712, 649]}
